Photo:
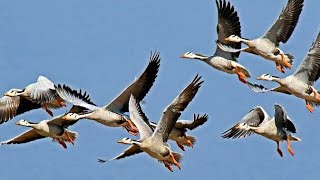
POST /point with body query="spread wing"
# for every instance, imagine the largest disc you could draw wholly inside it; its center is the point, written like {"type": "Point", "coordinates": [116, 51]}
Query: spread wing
{"type": "Point", "coordinates": [25, 137]}
{"type": "Point", "coordinates": [254, 118]}
{"type": "Point", "coordinates": [132, 150]}
{"type": "Point", "coordinates": [14, 106]}
{"type": "Point", "coordinates": [309, 70]}
{"type": "Point", "coordinates": [228, 24]}
{"type": "Point", "coordinates": [139, 88]}
{"type": "Point", "coordinates": [282, 29]}
{"type": "Point", "coordinates": [173, 111]}
{"type": "Point", "coordinates": [197, 121]}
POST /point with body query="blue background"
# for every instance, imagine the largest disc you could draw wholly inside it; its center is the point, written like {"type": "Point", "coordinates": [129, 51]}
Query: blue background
{"type": "Point", "coordinates": [101, 46]}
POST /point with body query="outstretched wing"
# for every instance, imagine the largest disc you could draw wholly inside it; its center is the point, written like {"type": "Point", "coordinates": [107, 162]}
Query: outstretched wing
{"type": "Point", "coordinates": [197, 121]}
{"type": "Point", "coordinates": [14, 106]}
{"type": "Point", "coordinates": [173, 111]}
{"type": "Point", "coordinates": [282, 29]}
{"type": "Point", "coordinates": [228, 24]}
{"type": "Point", "coordinates": [309, 70]}
{"type": "Point", "coordinates": [43, 90]}
{"type": "Point", "coordinates": [139, 88]}
{"type": "Point", "coordinates": [254, 118]}
{"type": "Point", "coordinates": [25, 137]}
{"type": "Point", "coordinates": [261, 89]}
{"type": "Point", "coordinates": [132, 150]}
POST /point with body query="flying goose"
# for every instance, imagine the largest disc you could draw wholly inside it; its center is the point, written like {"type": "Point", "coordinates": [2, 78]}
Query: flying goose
{"type": "Point", "coordinates": [267, 46]}
{"type": "Point", "coordinates": [178, 133]}
{"type": "Point", "coordinates": [154, 141]}
{"type": "Point", "coordinates": [278, 128]}
{"type": "Point", "coordinates": [34, 96]}
{"type": "Point", "coordinates": [113, 114]}
{"type": "Point", "coordinates": [56, 128]}
{"type": "Point", "coordinates": [300, 83]}
{"type": "Point", "coordinates": [228, 24]}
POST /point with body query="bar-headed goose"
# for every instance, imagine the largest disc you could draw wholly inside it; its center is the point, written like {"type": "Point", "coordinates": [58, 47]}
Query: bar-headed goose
{"type": "Point", "coordinates": [34, 96]}
{"type": "Point", "coordinates": [228, 24]}
{"type": "Point", "coordinates": [113, 114]}
{"type": "Point", "coordinates": [278, 128]}
{"type": "Point", "coordinates": [267, 46]}
{"type": "Point", "coordinates": [154, 141]}
{"type": "Point", "coordinates": [178, 133]}
{"type": "Point", "coordinates": [300, 83]}
{"type": "Point", "coordinates": [56, 128]}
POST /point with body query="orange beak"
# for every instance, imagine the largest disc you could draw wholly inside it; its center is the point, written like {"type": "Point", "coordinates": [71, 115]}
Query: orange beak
{"type": "Point", "coordinates": [182, 56]}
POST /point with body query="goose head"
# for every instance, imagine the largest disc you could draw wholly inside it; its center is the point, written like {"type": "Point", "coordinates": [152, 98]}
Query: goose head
{"type": "Point", "coordinates": [127, 141]}
{"type": "Point", "coordinates": [191, 55]}
{"type": "Point", "coordinates": [23, 122]}
{"type": "Point", "coordinates": [14, 92]}
{"type": "Point", "coordinates": [267, 77]}
{"type": "Point", "coordinates": [71, 117]}
{"type": "Point", "coordinates": [233, 38]}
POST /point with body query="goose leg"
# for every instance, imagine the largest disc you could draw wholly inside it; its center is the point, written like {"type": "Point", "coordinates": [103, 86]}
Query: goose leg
{"type": "Point", "coordinates": [286, 64]}
{"type": "Point", "coordinates": [315, 92]}
{"type": "Point", "coordinates": [167, 166]}
{"type": "Point", "coordinates": [279, 67]}
{"type": "Point", "coordinates": [241, 76]}
{"type": "Point", "coordinates": [279, 150]}
{"type": "Point", "coordinates": [188, 141]}
{"type": "Point", "coordinates": [44, 106]}
{"type": "Point", "coordinates": [175, 162]}
{"type": "Point", "coordinates": [131, 131]}
{"type": "Point", "coordinates": [63, 104]}
{"type": "Point", "coordinates": [289, 147]}
{"type": "Point", "coordinates": [63, 144]}
{"type": "Point", "coordinates": [68, 138]}
{"type": "Point", "coordinates": [180, 146]}
{"type": "Point", "coordinates": [309, 107]}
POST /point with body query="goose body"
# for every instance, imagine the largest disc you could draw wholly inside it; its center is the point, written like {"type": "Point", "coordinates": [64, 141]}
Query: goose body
{"type": "Point", "coordinates": [55, 128]}
{"type": "Point", "coordinates": [267, 46]}
{"type": "Point", "coordinates": [154, 141]}
{"type": "Point", "coordinates": [178, 133]}
{"type": "Point", "coordinates": [228, 24]}
{"type": "Point", "coordinates": [41, 94]}
{"type": "Point", "coordinates": [113, 114]}
{"type": "Point", "coordinates": [300, 83]}
{"type": "Point", "coordinates": [277, 128]}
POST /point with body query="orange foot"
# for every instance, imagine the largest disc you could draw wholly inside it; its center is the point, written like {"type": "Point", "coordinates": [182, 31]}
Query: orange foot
{"type": "Point", "coordinates": [62, 143]}
{"type": "Point", "coordinates": [286, 64]}
{"type": "Point", "coordinates": [62, 104]}
{"type": "Point", "coordinates": [309, 107]}
{"type": "Point", "coordinates": [44, 106]}
{"type": "Point", "coordinates": [279, 150]}
{"type": "Point", "coordinates": [279, 67]}
{"type": "Point", "coordinates": [131, 131]}
{"type": "Point", "coordinates": [190, 144]}
{"type": "Point", "coordinates": [68, 138]}
{"type": "Point", "coordinates": [181, 146]}
{"type": "Point", "coordinates": [168, 166]}
{"type": "Point", "coordinates": [241, 75]}
{"type": "Point", "coordinates": [174, 161]}
{"type": "Point", "coordinates": [289, 148]}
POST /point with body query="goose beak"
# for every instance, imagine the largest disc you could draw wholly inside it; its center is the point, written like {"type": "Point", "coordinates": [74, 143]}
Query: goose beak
{"type": "Point", "coordinates": [227, 39]}
{"type": "Point", "coordinates": [182, 56]}
{"type": "Point", "coordinates": [18, 123]}
{"type": "Point", "coordinates": [121, 142]}
{"type": "Point", "coordinates": [259, 78]}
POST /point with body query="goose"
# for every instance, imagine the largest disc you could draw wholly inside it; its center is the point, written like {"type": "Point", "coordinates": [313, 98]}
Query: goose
{"type": "Point", "coordinates": [267, 46]}
{"type": "Point", "coordinates": [300, 83]}
{"type": "Point", "coordinates": [154, 141]}
{"type": "Point", "coordinates": [178, 133]}
{"type": "Point", "coordinates": [55, 128]}
{"type": "Point", "coordinates": [112, 115]}
{"type": "Point", "coordinates": [277, 128]}
{"type": "Point", "coordinates": [34, 96]}
{"type": "Point", "coordinates": [228, 24]}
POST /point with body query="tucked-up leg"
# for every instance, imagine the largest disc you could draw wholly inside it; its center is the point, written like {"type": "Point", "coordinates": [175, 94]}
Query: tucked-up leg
{"type": "Point", "coordinates": [188, 141]}
{"type": "Point", "coordinates": [278, 149]}
{"type": "Point", "coordinates": [241, 76]}
{"type": "Point", "coordinates": [309, 107]}
{"type": "Point", "coordinates": [44, 106]}
{"type": "Point", "coordinates": [289, 147]}
{"type": "Point", "coordinates": [180, 146]}
{"type": "Point", "coordinates": [279, 67]}
{"type": "Point", "coordinates": [68, 138]}
{"type": "Point", "coordinates": [167, 166]}
{"type": "Point", "coordinates": [62, 143]}
{"type": "Point", "coordinates": [286, 64]}
{"type": "Point", "coordinates": [175, 162]}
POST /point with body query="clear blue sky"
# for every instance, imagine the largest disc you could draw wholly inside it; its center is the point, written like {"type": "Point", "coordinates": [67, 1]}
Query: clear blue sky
{"type": "Point", "coordinates": [101, 46]}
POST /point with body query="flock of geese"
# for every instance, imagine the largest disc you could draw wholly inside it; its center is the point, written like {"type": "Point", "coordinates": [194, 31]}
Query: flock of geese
{"type": "Point", "coordinates": [125, 110]}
